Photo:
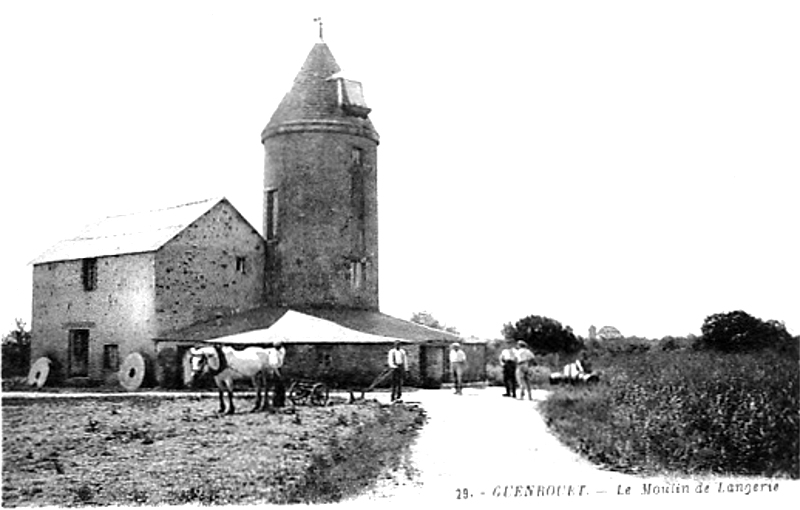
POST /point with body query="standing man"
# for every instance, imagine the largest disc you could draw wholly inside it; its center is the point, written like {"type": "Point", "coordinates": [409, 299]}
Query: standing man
{"type": "Point", "coordinates": [524, 369]}
{"type": "Point", "coordinates": [398, 364]}
{"type": "Point", "coordinates": [279, 400]}
{"type": "Point", "coordinates": [508, 360]}
{"type": "Point", "coordinates": [458, 364]}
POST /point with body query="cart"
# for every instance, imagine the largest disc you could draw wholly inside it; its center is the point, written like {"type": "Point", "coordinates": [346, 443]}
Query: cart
{"type": "Point", "coordinates": [308, 392]}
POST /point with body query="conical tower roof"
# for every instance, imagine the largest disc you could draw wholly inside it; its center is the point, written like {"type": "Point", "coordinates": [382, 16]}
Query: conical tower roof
{"type": "Point", "coordinates": [319, 97]}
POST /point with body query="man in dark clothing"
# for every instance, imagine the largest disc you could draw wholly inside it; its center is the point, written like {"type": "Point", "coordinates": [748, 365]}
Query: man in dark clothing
{"type": "Point", "coordinates": [508, 361]}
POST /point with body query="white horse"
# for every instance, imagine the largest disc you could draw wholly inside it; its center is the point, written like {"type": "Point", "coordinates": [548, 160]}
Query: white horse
{"type": "Point", "coordinates": [227, 365]}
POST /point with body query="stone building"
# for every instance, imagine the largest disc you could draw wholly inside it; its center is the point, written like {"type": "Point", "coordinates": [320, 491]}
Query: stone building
{"type": "Point", "coordinates": [316, 263]}
{"type": "Point", "coordinates": [123, 281]}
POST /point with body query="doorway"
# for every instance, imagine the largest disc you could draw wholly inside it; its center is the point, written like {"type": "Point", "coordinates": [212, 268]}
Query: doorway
{"type": "Point", "coordinates": [78, 353]}
{"type": "Point", "coordinates": [431, 365]}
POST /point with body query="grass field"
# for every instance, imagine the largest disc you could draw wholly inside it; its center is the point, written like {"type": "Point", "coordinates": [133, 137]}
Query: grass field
{"type": "Point", "coordinates": [686, 412]}
{"type": "Point", "coordinates": [162, 450]}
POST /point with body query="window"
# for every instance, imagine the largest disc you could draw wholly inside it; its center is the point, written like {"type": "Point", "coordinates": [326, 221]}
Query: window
{"type": "Point", "coordinates": [324, 357]}
{"type": "Point", "coordinates": [358, 271]}
{"type": "Point", "coordinates": [89, 274]}
{"type": "Point", "coordinates": [78, 352]}
{"type": "Point", "coordinates": [241, 264]}
{"type": "Point", "coordinates": [351, 98]}
{"type": "Point", "coordinates": [111, 357]}
{"type": "Point", "coordinates": [271, 226]}
{"type": "Point", "coordinates": [358, 201]}
{"type": "Point", "coordinates": [357, 157]}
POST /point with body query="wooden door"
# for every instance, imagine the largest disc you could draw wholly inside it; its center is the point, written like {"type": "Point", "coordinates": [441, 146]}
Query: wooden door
{"type": "Point", "coordinates": [432, 366]}
{"type": "Point", "coordinates": [78, 353]}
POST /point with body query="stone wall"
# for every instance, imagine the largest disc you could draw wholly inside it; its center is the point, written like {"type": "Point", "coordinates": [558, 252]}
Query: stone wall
{"type": "Point", "coordinates": [318, 239]}
{"type": "Point", "coordinates": [345, 365]}
{"type": "Point", "coordinates": [215, 266]}
{"type": "Point", "coordinates": [118, 311]}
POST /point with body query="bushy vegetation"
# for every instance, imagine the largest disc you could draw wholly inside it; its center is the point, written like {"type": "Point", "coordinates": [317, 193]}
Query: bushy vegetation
{"type": "Point", "coordinates": [687, 411]}
{"type": "Point", "coordinates": [543, 335]}
{"type": "Point", "coordinates": [16, 351]}
{"type": "Point", "coordinates": [426, 319]}
{"type": "Point", "coordinates": [739, 331]}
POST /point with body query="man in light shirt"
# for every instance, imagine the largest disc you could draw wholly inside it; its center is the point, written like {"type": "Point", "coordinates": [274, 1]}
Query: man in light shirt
{"type": "Point", "coordinates": [398, 363]}
{"type": "Point", "coordinates": [508, 360]}
{"type": "Point", "coordinates": [273, 375]}
{"type": "Point", "coordinates": [524, 369]}
{"type": "Point", "coordinates": [458, 364]}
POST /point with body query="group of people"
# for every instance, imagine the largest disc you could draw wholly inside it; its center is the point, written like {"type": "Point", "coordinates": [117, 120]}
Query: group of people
{"type": "Point", "coordinates": [397, 361]}
{"type": "Point", "coordinates": [517, 362]}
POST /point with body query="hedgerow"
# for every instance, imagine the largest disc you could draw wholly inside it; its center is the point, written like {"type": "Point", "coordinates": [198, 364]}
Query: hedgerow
{"type": "Point", "coordinates": [687, 412]}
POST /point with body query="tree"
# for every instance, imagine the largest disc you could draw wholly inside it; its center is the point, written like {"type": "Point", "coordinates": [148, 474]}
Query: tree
{"type": "Point", "coordinates": [17, 350]}
{"type": "Point", "coordinates": [426, 319]}
{"type": "Point", "coordinates": [543, 334]}
{"type": "Point", "coordinates": [739, 331]}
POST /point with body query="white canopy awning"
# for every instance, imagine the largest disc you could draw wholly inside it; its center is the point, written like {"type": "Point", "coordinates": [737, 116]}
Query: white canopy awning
{"type": "Point", "coordinates": [299, 328]}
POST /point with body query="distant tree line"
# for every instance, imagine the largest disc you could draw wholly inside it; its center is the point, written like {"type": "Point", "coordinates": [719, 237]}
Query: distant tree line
{"type": "Point", "coordinates": [735, 331]}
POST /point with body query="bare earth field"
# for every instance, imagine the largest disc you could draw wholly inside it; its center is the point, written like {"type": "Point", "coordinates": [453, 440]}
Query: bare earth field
{"type": "Point", "coordinates": [151, 450]}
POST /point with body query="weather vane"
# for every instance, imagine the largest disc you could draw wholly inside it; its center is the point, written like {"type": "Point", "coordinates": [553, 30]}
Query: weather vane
{"type": "Point", "coordinates": [319, 20]}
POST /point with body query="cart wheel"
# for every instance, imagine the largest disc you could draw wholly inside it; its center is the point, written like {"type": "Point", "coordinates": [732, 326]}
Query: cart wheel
{"type": "Point", "coordinates": [319, 395]}
{"type": "Point", "coordinates": [296, 393]}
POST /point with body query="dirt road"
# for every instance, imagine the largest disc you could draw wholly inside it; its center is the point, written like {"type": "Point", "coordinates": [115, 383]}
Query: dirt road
{"type": "Point", "coordinates": [483, 449]}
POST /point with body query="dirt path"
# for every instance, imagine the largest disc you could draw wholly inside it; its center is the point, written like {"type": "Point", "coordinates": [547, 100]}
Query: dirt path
{"type": "Point", "coordinates": [481, 440]}
{"type": "Point", "coordinates": [490, 445]}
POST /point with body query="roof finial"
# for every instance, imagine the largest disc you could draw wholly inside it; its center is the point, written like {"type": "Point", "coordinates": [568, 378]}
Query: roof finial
{"type": "Point", "coordinates": [319, 20]}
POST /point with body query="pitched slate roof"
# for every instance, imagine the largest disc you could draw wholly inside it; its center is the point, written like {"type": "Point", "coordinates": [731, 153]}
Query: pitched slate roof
{"type": "Point", "coordinates": [315, 98]}
{"type": "Point", "coordinates": [248, 320]}
{"type": "Point", "coordinates": [377, 323]}
{"type": "Point", "coordinates": [254, 326]}
{"type": "Point", "coordinates": [129, 233]}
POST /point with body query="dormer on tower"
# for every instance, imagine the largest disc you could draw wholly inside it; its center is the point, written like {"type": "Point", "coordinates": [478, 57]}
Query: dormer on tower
{"type": "Point", "coordinates": [320, 192]}
{"type": "Point", "coordinates": [351, 98]}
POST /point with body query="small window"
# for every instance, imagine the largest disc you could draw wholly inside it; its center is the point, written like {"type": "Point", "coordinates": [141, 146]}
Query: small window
{"type": "Point", "coordinates": [111, 357]}
{"type": "Point", "coordinates": [241, 265]}
{"type": "Point", "coordinates": [351, 98]}
{"type": "Point", "coordinates": [89, 274]}
{"type": "Point", "coordinates": [271, 226]}
{"type": "Point", "coordinates": [358, 272]}
{"type": "Point", "coordinates": [324, 357]}
{"type": "Point", "coordinates": [357, 157]}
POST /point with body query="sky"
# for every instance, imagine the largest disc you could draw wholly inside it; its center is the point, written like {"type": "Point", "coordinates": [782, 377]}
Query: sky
{"type": "Point", "coordinates": [619, 163]}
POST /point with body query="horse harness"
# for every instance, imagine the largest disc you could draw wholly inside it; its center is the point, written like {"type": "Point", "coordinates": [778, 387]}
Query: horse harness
{"type": "Point", "coordinates": [223, 362]}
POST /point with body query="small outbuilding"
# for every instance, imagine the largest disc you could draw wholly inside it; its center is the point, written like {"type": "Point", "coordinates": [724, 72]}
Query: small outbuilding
{"type": "Point", "coordinates": [341, 347]}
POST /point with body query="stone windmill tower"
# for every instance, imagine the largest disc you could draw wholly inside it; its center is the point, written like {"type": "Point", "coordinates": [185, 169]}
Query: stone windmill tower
{"type": "Point", "coordinates": [320, 192]}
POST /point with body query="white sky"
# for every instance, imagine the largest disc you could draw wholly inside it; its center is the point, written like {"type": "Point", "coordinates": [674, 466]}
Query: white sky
{"type": "Point", "coordinates": [631, 164]}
